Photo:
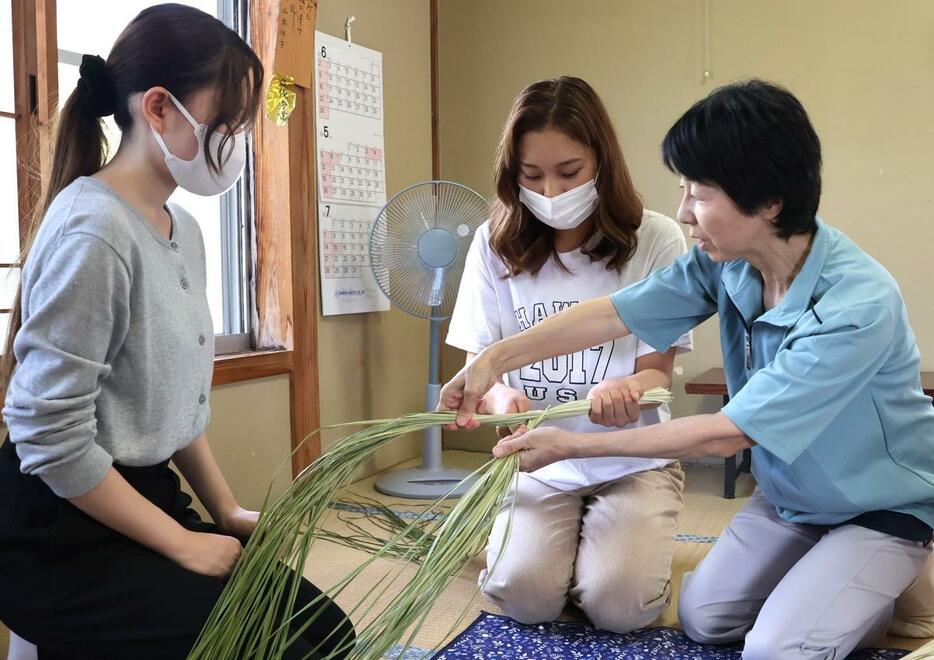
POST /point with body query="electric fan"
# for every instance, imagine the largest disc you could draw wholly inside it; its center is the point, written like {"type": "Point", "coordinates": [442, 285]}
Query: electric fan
{"type": "Point", "coordinates": [418, 246]}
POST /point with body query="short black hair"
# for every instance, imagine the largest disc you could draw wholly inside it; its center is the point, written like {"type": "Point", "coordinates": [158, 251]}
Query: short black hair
{"type": "Point", "coordinates": [753, 140]}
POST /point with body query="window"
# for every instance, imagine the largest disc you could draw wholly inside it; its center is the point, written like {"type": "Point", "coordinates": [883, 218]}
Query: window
{"type": "Point", "coordinates": [9, 197]}
{"type": "Point", "coordinates": [224, 220]}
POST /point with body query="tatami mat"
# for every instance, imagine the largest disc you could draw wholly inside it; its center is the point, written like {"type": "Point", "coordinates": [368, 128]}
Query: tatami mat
{"type": "Point", "coordinates": [705, 514]}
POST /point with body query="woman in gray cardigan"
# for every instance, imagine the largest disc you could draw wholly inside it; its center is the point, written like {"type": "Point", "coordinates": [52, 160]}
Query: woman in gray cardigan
{"type": "Point", "coordinates": [100, 554]}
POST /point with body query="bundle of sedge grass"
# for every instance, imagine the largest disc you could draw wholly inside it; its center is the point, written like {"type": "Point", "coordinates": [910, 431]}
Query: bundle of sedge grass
{"type": "Point", "coordinates": [255, 616]}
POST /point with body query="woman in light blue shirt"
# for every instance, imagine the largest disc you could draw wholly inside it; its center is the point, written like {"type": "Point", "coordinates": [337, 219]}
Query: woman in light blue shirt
{"type": "Point", "coordinates": [823, 373]}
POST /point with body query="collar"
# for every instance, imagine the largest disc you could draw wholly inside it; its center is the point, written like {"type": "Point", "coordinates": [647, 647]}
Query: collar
{"type": "Point", "coordinates": [743, 283]}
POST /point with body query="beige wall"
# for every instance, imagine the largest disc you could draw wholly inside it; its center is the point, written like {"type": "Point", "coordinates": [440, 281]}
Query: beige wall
{"type": "Point", "coordinates": [863, 69]}
{"type": "Point", "coordinates": [250, 435]}
{"type": "Point", "coordinates": [375, 365]}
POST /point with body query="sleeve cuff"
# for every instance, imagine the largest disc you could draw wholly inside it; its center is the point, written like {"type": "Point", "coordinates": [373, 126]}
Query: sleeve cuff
{"type": "Point", "coordinates": [644, 349]}
{"type": "Point", "coordinates": [683, 345]}
{"type": "Point", "coordinates": [80, 474]}
{"type": "Point", "coordinates": [465, 344]}
{"type": "Point", "coordinates": [635, 327]}
{"type": "Point", "coordinates": [743, 419]}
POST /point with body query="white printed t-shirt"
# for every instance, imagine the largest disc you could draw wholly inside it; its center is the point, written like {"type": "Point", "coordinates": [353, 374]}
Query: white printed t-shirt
{"type": "Point", "coordinates": [490, 306]}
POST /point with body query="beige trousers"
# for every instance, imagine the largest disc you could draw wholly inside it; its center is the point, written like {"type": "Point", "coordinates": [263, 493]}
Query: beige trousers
{"type": "Point", "coordinates": [606, 548]}
{"type": "Point", "coordinates": [914, 609]}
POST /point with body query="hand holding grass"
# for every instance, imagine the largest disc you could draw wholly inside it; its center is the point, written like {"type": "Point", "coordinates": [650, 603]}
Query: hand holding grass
{"type": "Point", "coordinates": [537, 448]}
{"type": "Point", "coordinates": [615, 402]}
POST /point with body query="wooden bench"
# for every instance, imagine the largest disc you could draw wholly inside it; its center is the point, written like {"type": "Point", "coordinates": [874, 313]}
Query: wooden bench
{"type": "Point", "coordinates": [713, 383]}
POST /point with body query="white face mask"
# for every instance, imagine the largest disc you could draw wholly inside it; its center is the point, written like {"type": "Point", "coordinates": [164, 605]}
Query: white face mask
{"type": "Point", "coordinates": [566, 211]}
{"type": "Point", "coordinates": [195, 175]}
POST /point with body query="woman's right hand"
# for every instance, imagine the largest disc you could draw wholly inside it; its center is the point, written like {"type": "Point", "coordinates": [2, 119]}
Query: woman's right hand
{"type": "Point", "coordinates": [214, 555]}
{"type": "Point", "coordinates": [464, 393]}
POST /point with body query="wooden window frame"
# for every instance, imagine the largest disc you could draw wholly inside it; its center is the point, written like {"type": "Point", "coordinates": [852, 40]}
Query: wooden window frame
{"type": "Point", "coordinates": [285, 255]}
{"type": "Point", "coordinates": [35, 85]}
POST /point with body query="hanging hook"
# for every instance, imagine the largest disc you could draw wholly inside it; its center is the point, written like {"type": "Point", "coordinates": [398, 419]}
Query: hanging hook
{"type": "Point", "coordinates": [706, 45]}
{"type": "Point", "coordinates": [350, 19]}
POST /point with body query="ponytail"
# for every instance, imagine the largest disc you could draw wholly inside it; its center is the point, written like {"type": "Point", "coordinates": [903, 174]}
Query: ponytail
{"type": "Point", "coordinates": [80, 150]}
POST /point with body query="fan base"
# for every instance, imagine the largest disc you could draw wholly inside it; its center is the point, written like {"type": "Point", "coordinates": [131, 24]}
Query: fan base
{"type": "Point", "coordinates": [422, 484]}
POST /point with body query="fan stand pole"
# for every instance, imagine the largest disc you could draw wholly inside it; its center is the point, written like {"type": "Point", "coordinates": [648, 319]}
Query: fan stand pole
{"type": "Point", "coordinates": [432, 445]}
{"type": "Point", "coordinates": [431, 480]}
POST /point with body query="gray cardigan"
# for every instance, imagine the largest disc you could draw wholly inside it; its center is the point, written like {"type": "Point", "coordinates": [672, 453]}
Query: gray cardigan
{"type": "Point", "coordinates": [116, 352]}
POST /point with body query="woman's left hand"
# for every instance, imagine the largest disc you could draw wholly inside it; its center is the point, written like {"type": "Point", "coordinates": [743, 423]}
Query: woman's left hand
{"type": "Point", "coordinates": [615, 402]}
{"type": "Point", "coordinates": [539, 447]}
{"type": "Point", "coordinates": [239, 523]}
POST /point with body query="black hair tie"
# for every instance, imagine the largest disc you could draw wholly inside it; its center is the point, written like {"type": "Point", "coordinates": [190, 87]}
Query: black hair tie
{"type": "Point", "coordinates": [95, 86]}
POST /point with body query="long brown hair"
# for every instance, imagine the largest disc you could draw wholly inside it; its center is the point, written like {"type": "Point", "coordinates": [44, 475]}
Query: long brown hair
{"type": "Point", "coordinates": [571, 106]}
{"type": "Point", "coordinates": [180, 48]}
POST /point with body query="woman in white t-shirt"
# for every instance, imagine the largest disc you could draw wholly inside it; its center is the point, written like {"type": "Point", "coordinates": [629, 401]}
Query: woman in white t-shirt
{"type": "Point", "coordinates": [568, 226]}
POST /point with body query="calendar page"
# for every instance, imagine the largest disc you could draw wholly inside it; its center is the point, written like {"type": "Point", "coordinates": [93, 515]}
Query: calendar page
{"type": "Point", "coordinates": [351, 172]}
{"type": "Point", "coordinates": [354, 175]}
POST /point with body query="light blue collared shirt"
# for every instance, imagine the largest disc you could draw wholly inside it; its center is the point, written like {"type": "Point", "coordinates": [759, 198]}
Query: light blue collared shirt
{"type": "Point", "coordinates": [827, 383]}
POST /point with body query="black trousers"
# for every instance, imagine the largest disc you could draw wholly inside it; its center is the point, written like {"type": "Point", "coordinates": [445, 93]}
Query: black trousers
{"type": "Point", "coordinates": [79, 590]}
